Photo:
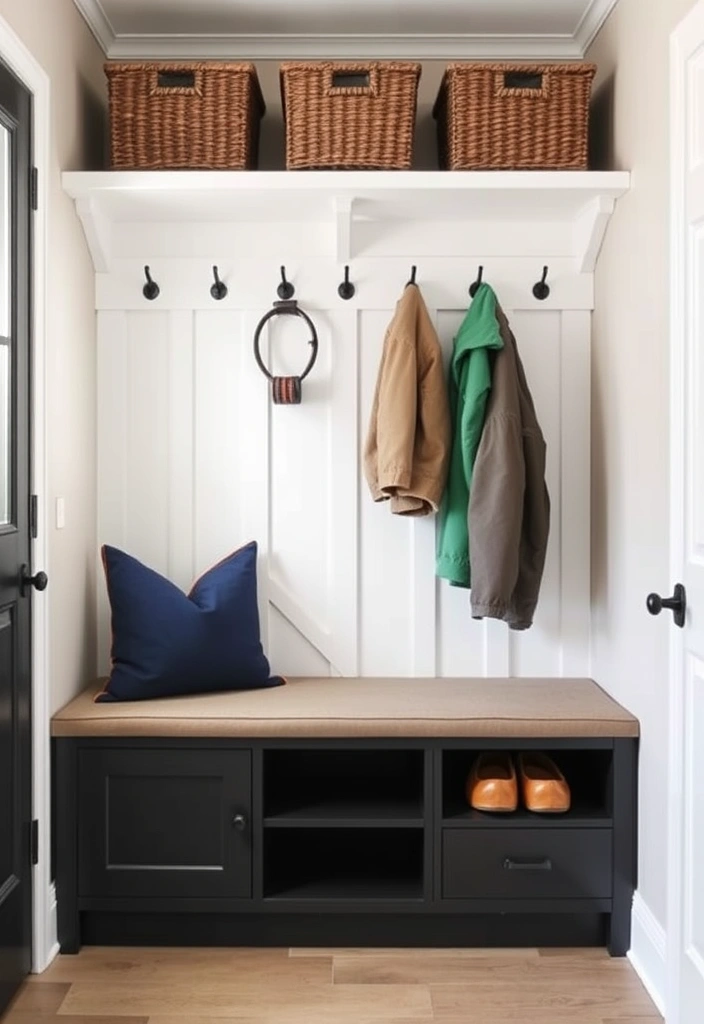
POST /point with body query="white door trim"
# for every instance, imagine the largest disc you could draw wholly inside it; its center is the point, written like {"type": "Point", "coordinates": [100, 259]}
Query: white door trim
{"type": "Point", "coordinates": [44, 946]}
{"type": "Point", "coordinates": [678, 323]}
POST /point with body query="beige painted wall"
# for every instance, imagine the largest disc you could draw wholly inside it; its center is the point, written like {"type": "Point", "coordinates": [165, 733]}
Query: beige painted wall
{"type": "Point", "coordinates": [60, 41]}
{"type": "Point", "coordinates": [630, 456]}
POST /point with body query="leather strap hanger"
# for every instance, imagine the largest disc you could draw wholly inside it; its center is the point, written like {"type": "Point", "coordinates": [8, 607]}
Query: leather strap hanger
{"type": "Point", "coordinates": [286, 390]}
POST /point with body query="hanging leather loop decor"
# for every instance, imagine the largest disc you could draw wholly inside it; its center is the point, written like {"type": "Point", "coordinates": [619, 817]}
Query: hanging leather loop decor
{"type": "Point", "coordinates": [286, 390]}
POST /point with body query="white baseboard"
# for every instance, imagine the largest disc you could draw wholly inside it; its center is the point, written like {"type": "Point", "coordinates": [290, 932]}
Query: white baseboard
{"type": "Point", "coordinates": [46, 946]}
{"type": "Point", "coordinates": [53, 953]}
{"type": "Point", "coordinates": [648, 952]}
{"type": "Point", "coordinates": [54, 948]}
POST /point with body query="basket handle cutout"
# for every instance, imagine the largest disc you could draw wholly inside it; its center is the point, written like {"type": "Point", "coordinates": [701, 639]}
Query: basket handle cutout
{"type": "Point", "coordinates": [176, 80]}
{"type": "Point", "coordinates": [351, 80]}
{"type": "Point", "coordinates": [523, 80]}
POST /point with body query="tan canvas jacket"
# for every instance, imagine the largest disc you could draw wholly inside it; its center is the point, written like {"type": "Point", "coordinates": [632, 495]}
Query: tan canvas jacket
{"type": "Point", "coordinates": [509, 506]}
{"type": "Point", "coordinates": [408, 443]}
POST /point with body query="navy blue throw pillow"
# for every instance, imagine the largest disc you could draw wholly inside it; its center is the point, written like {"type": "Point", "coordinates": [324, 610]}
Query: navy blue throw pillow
{"type": "Point", "coordinates": [165, 642]}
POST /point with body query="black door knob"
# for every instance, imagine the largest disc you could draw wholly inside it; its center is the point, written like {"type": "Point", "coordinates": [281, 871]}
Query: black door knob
{"type": "Point", "coordinates": [240, 822]}
{"type": "Point", "coordinates": [39, 581]}
{"type": "Point", "coordinates": [677, 604]}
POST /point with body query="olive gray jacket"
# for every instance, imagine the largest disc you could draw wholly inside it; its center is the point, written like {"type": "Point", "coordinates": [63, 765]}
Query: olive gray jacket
{"type": "Point", "coordinates": [509, 505]}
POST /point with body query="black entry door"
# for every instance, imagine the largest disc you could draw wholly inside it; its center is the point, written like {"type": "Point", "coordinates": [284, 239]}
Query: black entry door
{"type": "Point", "coordinates": [15, 609]}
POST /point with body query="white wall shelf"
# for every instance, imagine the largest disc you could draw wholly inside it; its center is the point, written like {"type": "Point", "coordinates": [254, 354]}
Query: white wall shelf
{"type": "Point", "coordinates": [557, 215]}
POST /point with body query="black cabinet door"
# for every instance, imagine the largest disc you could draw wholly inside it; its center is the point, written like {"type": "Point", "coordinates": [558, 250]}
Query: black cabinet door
{"type": "Point", "coordinates": [165, 823]}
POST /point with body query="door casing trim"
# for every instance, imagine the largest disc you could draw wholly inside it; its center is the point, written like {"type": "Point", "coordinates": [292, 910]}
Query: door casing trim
{"type": "Point", "coordinates": [21, 61]}
{"type": "Point", "coordinates": [678, 323]}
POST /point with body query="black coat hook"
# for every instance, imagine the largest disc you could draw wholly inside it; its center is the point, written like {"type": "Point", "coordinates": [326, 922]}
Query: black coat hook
{"type": "Point", "coordinates": [151, 288]}
{"type": "Point", "coordinates": [474, 287]}
{"type": "Point", "coordinates": [541, 290]}
{"type": "Point", "coordinates": [219, 289]}
{"type": "Point", "coordinates": [285, 289]}
{"type": "Point", "coordinates": [346, 289]}
{"type": "Point", "coordinates": [412, 279]}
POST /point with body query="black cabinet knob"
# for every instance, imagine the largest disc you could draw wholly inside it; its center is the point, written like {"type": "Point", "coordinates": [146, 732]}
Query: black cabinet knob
{"type": "Point", "coordinates": [39, 581]}
{"type": "Point", "coordinates": [677, 604]}
{"type": "Point", "coordinates": [239, 822]}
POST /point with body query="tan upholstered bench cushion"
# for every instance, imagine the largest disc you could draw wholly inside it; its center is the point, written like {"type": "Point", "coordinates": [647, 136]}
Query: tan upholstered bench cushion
{"type": "Point", "coordinates": [331, 707]}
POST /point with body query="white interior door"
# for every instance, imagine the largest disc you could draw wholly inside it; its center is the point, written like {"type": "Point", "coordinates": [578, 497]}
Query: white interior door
{"type": "Point", "coordinates": [686, 786]}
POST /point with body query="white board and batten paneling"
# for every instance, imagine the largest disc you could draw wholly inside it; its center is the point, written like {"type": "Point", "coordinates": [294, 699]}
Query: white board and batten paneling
{"type": "Point", "coordinates": [194, 460]}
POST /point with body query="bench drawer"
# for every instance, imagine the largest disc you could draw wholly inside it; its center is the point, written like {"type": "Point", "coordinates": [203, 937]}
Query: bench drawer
{"type": "Point", "coordinates": [540, 863]}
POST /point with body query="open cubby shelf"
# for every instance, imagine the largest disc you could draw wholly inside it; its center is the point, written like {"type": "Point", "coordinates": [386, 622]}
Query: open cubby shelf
{"type": "Point", "coordinates": [459, 815]}
{"type": "Point", "coordinates": [349, 887]}
{"type": "Point", "coordinates": [343, 864]}
{"type": "Point", "coordinates": [588, 773]}
{"type": "Point", "coordinates": [343, 788]}
{"type": "Point", "coordinates": [331, 813]}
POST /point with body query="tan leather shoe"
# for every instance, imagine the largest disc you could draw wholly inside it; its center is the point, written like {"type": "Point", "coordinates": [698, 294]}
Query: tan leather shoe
{"type": "Point", "coordinates": [492, 783]}
{"type": "Point", "coordinates": [543, 786]}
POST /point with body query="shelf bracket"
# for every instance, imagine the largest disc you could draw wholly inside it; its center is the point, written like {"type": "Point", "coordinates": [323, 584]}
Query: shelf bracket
{"type": "Point", "coordinates": [98, 233]}
{"type": "Point", "coordinates": [589, 232]}
{"type": "Point", "coordinates": [343, 228]}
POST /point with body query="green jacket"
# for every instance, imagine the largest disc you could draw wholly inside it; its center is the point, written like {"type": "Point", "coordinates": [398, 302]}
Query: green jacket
{"type": "Point", "coordinates": [469, 385]}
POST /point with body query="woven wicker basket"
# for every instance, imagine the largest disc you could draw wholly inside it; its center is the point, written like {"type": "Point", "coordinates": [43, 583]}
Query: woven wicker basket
{"type": "Point", "coordinates": [514, 116]}
{"type": "Point", "coordinates": [202, 115]}
{"type": "Point", "coordinates": [350, 114]}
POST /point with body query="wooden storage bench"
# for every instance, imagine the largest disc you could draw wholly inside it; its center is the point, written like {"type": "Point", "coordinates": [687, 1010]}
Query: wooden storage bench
{"type": "Point", "coordinates": [332, 812]}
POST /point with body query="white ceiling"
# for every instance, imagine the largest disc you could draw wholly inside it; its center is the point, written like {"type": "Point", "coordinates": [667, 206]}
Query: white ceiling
{"type": "Point", "coordinates": [338, 28]}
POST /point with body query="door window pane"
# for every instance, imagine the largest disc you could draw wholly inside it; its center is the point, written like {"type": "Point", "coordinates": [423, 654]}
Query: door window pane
{"type": "Point", "coordinates": [5, 328]}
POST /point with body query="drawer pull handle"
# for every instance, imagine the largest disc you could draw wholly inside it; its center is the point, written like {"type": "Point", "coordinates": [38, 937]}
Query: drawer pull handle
{"type": "Point", "coordinates": [545, 864]}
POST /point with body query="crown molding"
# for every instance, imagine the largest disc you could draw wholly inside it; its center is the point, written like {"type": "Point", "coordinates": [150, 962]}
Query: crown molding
{"type": "Point", "coordinates": [592, 20]}
{"type": "Point", "coordinates": [330, 47]}
{"type": "Point", "coordinates": [99, 23]}
{"type": "Point", "coordinates": [290, 46]}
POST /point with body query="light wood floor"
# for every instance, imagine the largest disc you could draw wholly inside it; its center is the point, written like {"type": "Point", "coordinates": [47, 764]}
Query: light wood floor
{"type": "Point", "coordinates": [326, 986]}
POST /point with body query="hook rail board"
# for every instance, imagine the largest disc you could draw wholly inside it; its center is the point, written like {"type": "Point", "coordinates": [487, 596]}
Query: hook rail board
{"type": "Point", "coordinates": [254, 283]}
